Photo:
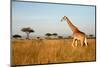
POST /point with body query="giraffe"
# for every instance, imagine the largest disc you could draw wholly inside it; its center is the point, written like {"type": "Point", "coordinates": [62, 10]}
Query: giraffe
{"type": "Point", "coordinates": [77, 34]}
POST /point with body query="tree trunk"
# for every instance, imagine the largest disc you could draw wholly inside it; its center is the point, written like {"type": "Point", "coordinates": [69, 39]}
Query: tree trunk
{"type": "Point", "coordinates": [27, 35]}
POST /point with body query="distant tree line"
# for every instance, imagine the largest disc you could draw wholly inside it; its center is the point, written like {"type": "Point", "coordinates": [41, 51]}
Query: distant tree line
{"type": "Point", "coordinates": [29, 30]}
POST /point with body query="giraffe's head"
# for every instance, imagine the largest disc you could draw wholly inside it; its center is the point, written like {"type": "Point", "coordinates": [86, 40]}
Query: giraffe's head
{"type": "Point", "coordinates": [63, 18]}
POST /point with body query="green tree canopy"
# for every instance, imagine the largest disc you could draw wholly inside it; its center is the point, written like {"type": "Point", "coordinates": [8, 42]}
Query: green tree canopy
{"type": "Point", "coordinates": [48, 34]}
{"type": "Point", "coordinates": [60, 37]}
{"type": "Point", "coordinates": [54, 34]}
{"type": "Point", "coordinates": [17, 36]}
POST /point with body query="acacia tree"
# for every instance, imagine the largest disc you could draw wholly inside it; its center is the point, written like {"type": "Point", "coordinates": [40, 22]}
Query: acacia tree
{"type": "Point", "coordinates": [91, 36]}
{"type": "Point", "coordinates": [48, 34]}
{"type": "Point", "coordinates": [17, 36]}
{"type": "Point", "coordinates": [38, 37]}
{"type": "Point", "coordinates": [54, 34]}
{"type": "Point", "coordinates": [27, 30]}
{"type": "Point", "coordinates": [60, 37]}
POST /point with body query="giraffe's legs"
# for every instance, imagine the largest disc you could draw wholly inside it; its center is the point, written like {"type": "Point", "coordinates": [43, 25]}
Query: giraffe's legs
{"type": "Point", "coordinates": [76, 42]}
{"type": "Point", "coordinates": [81, 43]}
{"type": "Point", "coordinates": [85, 41]}
{"type": "Point", "coordinates": [73, 42]}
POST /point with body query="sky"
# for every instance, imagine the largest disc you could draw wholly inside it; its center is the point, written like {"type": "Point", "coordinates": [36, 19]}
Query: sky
{"type": "Point", "coordinates": [45, 18]}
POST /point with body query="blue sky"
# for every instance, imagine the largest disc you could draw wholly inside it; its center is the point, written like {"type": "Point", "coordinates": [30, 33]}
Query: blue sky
{"type": "Point", "coordinates": [44, 18]}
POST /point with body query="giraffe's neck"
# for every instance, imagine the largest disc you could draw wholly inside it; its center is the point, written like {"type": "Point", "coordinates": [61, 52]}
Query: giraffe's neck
{"type": "Point", "coordinates": [73, 28]}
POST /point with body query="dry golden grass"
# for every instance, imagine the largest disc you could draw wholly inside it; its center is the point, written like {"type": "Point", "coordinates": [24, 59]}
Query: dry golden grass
{"type": "Point", "coordinates": [50, 51]}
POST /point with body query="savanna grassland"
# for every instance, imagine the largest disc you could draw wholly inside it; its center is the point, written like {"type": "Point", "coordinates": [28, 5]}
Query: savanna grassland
{"type": "Point", "coordinates": [50, 51]}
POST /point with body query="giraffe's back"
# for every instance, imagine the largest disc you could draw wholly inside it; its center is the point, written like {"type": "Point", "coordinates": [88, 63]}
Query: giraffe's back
{"type": "Point", "coordinates": [79, 35]}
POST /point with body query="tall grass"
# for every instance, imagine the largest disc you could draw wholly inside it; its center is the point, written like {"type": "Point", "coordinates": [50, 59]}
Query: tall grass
{"type": "Point", "coordinates": [50, 51]}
